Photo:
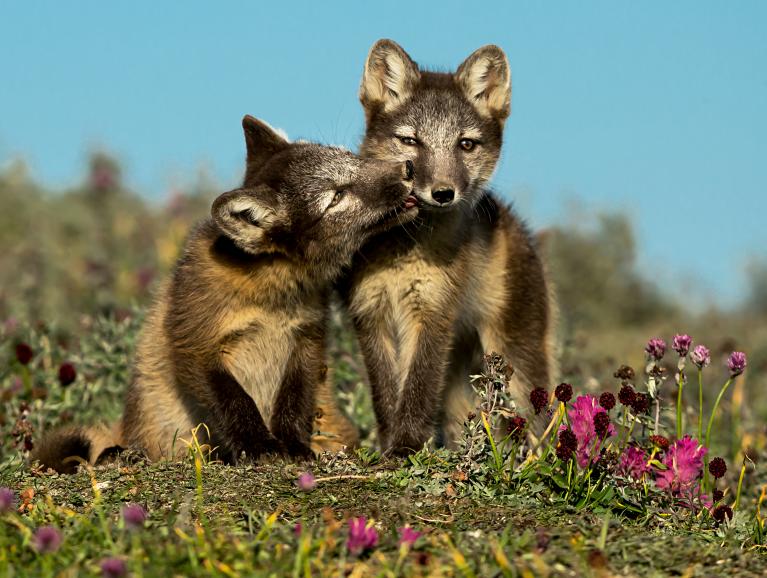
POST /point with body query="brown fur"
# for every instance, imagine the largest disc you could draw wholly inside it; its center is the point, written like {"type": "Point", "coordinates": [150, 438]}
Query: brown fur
{"type": "Point", "coordinates": [236, 338]}
{"type": "Point", "coordinates": [466, 277]}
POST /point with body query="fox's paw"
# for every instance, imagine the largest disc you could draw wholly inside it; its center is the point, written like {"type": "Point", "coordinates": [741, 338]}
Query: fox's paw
{"type": "Point", "coordinates": [299, 450]}
{"type": "Point", "coordinates": [404, 445]}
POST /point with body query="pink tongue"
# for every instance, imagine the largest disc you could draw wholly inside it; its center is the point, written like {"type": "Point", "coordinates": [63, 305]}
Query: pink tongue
{"type": "Point", "coordinates": [410, 202]}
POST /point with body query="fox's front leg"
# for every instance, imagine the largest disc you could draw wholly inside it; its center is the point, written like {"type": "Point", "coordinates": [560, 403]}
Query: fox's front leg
{"type": "Point", "coordinates": [237, 421]}
{"type": "Point", "coordinates": [425, 353]}
{"type": "Point", "coordinates": [374, 334]}
{"type": "Point", "coordinates": [293, 414]}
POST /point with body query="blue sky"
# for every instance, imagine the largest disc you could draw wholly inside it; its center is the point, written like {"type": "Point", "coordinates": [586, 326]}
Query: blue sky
{"type": "Point", "coordinates": [656, 108]}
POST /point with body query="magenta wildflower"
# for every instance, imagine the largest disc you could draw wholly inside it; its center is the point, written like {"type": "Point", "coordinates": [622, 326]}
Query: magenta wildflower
{"type": "Point", "coordinates": [47, 539]}
{"type": "Point", "coordinates": [362, 535]}
{"type": "Point", "coordinates": [539, 398]}
{"type": "Point", "coordinates": [655, 348]}
{"type": "Point", "coordinates": [113, 568]}
{"type": "Point", "coordinates": [701, 356]}
{"type": "Point", "coordinates": [681, 344]}
{"type": "Point", "coordinates": [684, 465]}
{"type": "Point", "coordinates": [306, 482]}
{"type": "Point", "coordinates": [736, 363]}
{"type": "Point", "coordinates": [134, 516]}
{"type": "Point", "coordinates": [24, 353]}
{"type": "Point", "coordinates": [7, 500]}
{"type": "Point", "coordinates": [408, 536]}
{"type": "Point", "coordinates": [297, 529]}
{"type": "Point", "coordinates": [633, 463]}
{"type": "Point", "coordinates": [581, 417]}
{"type": "Point", "coordinates": [67, 374]}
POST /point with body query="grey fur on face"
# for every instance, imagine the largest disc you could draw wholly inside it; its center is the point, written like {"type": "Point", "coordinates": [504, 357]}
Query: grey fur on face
{"type": "Point", "coordinates": [449, 125]}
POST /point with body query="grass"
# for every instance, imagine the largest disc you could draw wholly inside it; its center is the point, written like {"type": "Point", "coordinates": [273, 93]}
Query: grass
{"type": "Point", "coordinates": [486, 510]}
{"type": "Point", "coordinates": [245, 526]}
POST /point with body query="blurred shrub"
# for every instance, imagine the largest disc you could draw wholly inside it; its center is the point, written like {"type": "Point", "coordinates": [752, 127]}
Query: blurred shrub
{"type": "Point", "coordinates": [94, 249]}
{"type": "Point", "coordinates": [597, 281]}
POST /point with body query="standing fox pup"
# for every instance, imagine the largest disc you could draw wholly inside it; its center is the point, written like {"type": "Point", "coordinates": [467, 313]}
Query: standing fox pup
{"type": "Point", "coordinates": [236, 339]}
{"type": "Point", "coordinates": [465, 277]}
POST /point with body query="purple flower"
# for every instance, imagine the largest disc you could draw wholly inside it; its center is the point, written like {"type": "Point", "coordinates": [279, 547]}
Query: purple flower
{"type": "Point", "coordinates": [684, 465]}
{"type": "Point", "coordinates": [305, 482]}
{"type": "Point", "coordinates": [7, 499]}
{"type": "Point", "coordinates": [581, 417]}
{"type": "Point", "coordinates": [362, 535]}
{"type": "Point", "coordinates": [736, 363]}
{"type": "Point", "coordinates": [297, 529]}
{"type": "Point", "coordinates": [113, 568]}
{"type": "Point", "coordinates": [655, 348]}
{"type": "Point", "coordinates": [681, 344]}
{"type": "Point", "coordinates": [408, 536]}
{"type": "Point", "coordinates": [134, 516]}
{"type": "Point", "coordinates": [701, 356]}
{"type": "Point", "coordinates": [47, 539]}
{"type": "Point", "coordinates": [633, 463]}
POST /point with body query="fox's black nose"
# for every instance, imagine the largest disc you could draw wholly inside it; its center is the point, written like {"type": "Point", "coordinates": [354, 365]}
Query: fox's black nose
{"type": "Point", "coordinates": [443, 196]}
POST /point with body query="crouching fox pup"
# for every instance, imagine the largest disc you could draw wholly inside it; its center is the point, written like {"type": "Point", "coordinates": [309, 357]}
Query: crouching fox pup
{"type": "Point", "coordinates": [465, 277]}
{"type": "Point", "coordinates": [236, 338]}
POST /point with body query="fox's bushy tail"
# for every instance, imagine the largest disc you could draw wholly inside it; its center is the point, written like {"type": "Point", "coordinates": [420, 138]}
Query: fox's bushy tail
{"type": "Point", "coordinates": [66, 448]}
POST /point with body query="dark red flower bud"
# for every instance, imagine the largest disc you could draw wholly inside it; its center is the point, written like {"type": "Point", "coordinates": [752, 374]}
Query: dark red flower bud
{"type": "Point", "coordinates": [722, 512]}
{"type": "Point", "coordinates": [627, 395]}
{"type": "Point", "coordinates": [539, 397]}
{"type": "Point", "coordinates": [641, 403]}
{"type": "Point", "coordinates": [607, 400]}
{"type": "Point", "coordinates": [564, 392]}
{"type": "Point", "coordinates": [717, 467]}
{"type": "Point", "coordinates": [717, 496]}
{"type": "Point", "coordinates": [601, 424]}
{"type": "Point", "coordinates": [625, 372]}
{"type": "Point", "coordinates": [67, 374]}
{"type": "Point", "coordinates": [659, 441]}
{"type": "Point", "coordinates": [516, 428]}
{"type": "Point", "coordinates": [567, 439]}
{"type": "Point", "coordinates": [24, 353]}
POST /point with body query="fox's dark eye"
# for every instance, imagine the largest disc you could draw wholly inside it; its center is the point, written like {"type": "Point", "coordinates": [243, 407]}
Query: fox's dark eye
{"type": "Point", "coordinates": [408, 141]}
{"type": "Point", "coordinates": [337, 198]}
{"type": "Point", "coordinates": [467, 144]}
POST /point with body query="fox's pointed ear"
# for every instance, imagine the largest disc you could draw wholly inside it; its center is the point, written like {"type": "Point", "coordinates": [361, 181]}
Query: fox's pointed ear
{"type": "Point", "coordinates": [389, 78]}
{"type": "Point", "coordinates": [485, 78]}
{"type": "Point", "coordinates": [245, 215]}
{"type": "Point", "coordinates": [262, 142]}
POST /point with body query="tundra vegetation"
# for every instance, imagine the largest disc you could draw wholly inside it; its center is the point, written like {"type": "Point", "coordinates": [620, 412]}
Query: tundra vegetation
{"type": "Point", "coordinates": [653, 462]}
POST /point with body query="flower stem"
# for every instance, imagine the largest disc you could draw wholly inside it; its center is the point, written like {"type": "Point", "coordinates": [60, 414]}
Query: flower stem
{"type": "Point", "coordinates": [740, 485]}
{"type": "Point", "coordinates": [700, 403]}
{"type": "Point", "coordinates": [679, 407]}
{"type": "Point", "coordinates": [713, 411]}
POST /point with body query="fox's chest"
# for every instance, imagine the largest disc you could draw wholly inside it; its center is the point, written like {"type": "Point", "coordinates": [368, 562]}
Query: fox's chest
{"type": "Point", "coordinates": [257, 355]}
